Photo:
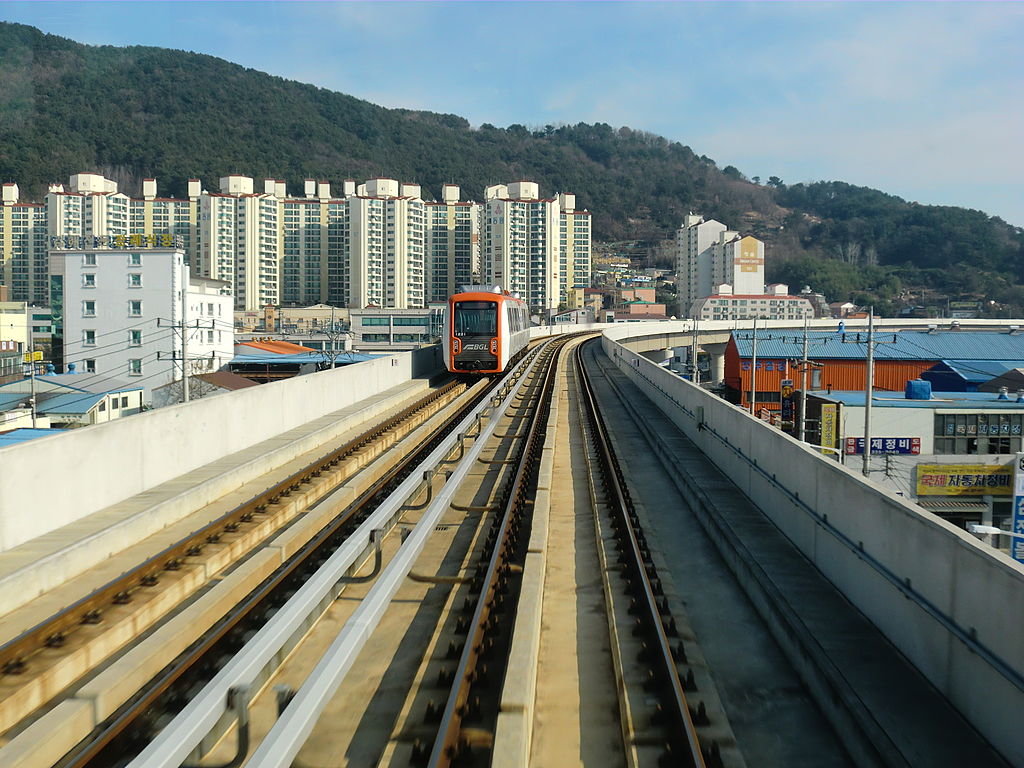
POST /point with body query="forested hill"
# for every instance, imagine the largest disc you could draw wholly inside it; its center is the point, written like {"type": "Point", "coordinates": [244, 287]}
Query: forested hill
{"type": "Point", "coordinates": [137, 112]}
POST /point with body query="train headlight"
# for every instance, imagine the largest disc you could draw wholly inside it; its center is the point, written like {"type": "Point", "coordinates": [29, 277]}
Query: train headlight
{"type": "Point", "coordinates": [456, 346]}
{"type": "Point", "coordinates": [494, 346]}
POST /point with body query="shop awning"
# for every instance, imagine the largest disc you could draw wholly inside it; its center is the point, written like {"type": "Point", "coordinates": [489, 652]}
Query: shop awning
{"type": "Point", "coordinates": [953, 506]}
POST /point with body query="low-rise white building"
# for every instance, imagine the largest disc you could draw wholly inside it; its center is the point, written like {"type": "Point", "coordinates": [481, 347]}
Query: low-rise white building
{"type": "Point", "coordinates": [122, 313]}
{"type": "Point", "coordinates": [775, 303]}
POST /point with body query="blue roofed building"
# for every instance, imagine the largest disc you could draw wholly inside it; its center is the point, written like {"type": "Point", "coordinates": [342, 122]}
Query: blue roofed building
{"type": "Point", "coordinates": [951, 452]}
{"type": "Point", "coordinates": [72, 399]}
{"type": "Point", "coordinates": [965, 375]}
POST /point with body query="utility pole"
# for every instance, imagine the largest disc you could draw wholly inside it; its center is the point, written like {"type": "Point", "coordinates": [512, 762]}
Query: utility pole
{"type": "Point", "coordinates": [868, 391]}
{"type": "Point", "coordinates": [32, 375]}
{"type": "Point", "coordinates": [184, 345]}
{"type": "Point", "coordinates": [334, 355]}
{"type": "Point", "coordinates": [753, 373]}
{"type": "Point", "coordinates": [693, 356]}
{"type": "Point", "coordinates": [803, 386]}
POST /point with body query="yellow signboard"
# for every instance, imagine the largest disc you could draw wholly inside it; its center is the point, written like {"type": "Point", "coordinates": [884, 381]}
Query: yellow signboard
{"type": "Point", "coordinates": [964, 479]}
{"type": "Point", "coordinates": [28, 357]}
{"type": "Point", "coordinates": [828, 426]}
{"type": "Point", "coordinates": [750, 259]}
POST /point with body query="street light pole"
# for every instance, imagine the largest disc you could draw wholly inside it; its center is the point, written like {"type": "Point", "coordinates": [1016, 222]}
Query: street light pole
{"type": "Point", "coordinates": [184, 336]}
{"type": "Point", "coordinates": [868, 391]}
{"type": "Point", "coordinates": [753, 373]}
{"type": "Point", "coordinates": [693, 356]}
{"type": "Point", "coordinates": [32, 375]}
{"type": "Point", "coordinates": [803, 386]}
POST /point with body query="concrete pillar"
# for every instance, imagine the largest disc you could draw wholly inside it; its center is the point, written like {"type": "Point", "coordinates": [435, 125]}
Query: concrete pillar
{"type": "Point", "coordinates": [717, 366]}
{"type": "Point", "coordinates": [658, 355]}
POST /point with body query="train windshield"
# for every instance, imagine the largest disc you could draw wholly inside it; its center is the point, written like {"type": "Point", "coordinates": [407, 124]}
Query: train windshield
{"type": "Point", "coordinates": [476, 318]}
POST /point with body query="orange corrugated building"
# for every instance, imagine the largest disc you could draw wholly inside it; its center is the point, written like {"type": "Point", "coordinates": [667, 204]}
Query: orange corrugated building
{"type": "Point", "coordinates": [839, 364]}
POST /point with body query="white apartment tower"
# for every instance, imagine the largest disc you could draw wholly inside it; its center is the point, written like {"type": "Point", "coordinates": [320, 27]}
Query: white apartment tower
{"type": "Point", "coordinates": [23, 262]}
{"type": "Point", "coordinates": [521, 243]}
{"type": "Point", "coordinates": [453, 244]}
{"type": "Point", "coordinates": [377, 243]}
{"type": "Point", "coordinates": [387, 222]}
{"type": "Point", "coordinates": [709, 254]}
{"type": "Point", "coordinates": [694, 259]}
{"type": "Point", "coordinates": [239, 239]}
{"type": "Point", "coordinates": [575, 245]}
{"type": "Point", "coordinates": [314, 252]}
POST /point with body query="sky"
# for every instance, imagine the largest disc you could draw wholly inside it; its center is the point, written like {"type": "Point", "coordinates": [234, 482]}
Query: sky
{"type": "Point", "coordinates": [924, 100]}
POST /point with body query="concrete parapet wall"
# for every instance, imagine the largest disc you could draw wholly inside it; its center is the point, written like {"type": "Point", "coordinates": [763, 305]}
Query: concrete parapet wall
{"type": "Point", "coordinates": [950, 603]}
{"type": "Point", "coordinates": [53, 481]}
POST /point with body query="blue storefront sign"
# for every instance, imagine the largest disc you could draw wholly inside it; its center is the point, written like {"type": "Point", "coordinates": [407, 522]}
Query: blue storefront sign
{"type": "Point", "coordinates": [908, 445]}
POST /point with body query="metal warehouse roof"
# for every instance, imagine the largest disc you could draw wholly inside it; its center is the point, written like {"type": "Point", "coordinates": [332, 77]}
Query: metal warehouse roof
{"type": "Point", "coordinates": [13, 400]}
{"type": "Point", "coordinates": [23, 435]}
{"type": "Point", "coordinates": [974, 371]}
{"type": "Point", "coordinates": [903, 345]}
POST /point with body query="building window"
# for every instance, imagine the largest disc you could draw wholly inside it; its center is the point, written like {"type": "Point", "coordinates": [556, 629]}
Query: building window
{"type": "Point", "coordinates": [134, 338]}
{"type": "Point", "coordinates": [89, 338]}
{"type": "Point", "coordinates": [103, 405]}
{"type": "Point", "coordinates": [135, 308]}
{"type": "Point", "coordinates": [134, 280]}
{"type": "Point", "coordinates": [979, 433]}
{"type": "Point", "coordinates": [134, 259]}
{"type": "Point", "coordinates": [90, 366]}
{"type": "Point", "coordinates": [89, 280]}
{"type": "Point", "coordinates": [124, 401]}
{"type": "Point", "coordinates": [135, 367]}
{"type": "Point", "coordinates": [89, 308]}
{"type": "Point", "coordinates": [89, 259]}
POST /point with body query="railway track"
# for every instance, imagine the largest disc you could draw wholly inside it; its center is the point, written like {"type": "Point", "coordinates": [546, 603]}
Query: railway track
{"type": "Point", "coordinates": [22, 655]}
{"type": "Point", "coordinates": [31, 659]}
{"type": "Point", "coordinates": [663, 718]}
{"type": "Point", "coordinates": [129, 729]}
{"type": "Point", "coordinates": [206, 698]}
{"type": "Point", "coordinates": [273, 611]}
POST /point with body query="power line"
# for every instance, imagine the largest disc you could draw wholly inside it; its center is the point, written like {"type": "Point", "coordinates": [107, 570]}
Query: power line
{"type": "Point", "coordinates": [121, 345]}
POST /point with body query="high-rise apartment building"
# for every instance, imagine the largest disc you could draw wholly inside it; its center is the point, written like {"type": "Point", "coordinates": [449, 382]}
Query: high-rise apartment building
{"type": "Point", "coordinates": [377, 243]}
{"type": "Point", "coordinates": [709, 254]}
{"type": "Point", "coordinates": [387, 223]}
{"type": "Point", "coordinates": [314, 255]}
{"type": "Point", "coordinates": [240, 237]}
{"type": "Point", "coordinates": [575, 247]}
{"type": "Point", "coordinates": [536, 247]}
{"type": "Point", "coordinates": [23, 265]}
{"type": "Point", "coordinates": [453, 244]}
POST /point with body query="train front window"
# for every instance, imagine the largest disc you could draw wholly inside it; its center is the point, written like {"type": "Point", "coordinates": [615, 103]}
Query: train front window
{"type": "Point", "coordinates": [476, 318]}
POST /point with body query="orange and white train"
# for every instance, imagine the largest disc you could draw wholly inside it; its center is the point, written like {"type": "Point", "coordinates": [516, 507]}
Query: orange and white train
{"type": "Point", "coordinates": [485, 330]}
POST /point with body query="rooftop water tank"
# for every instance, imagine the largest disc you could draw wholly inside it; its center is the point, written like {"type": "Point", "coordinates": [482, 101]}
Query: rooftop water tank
{"type": "Point", "coordinates": [918, 389]}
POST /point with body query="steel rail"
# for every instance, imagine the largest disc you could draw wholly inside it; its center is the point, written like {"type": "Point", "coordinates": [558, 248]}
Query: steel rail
{"type": "Point", "coordinates": [184, 733]}
{"type": "Point", "coordinates": [52, 632]}
{"type": "Point", "coordinates": [449, 736]}
{"type": "Point", "coordinates": [682, 735]}
{"type": "Point", "coordinates": [284, 740]}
